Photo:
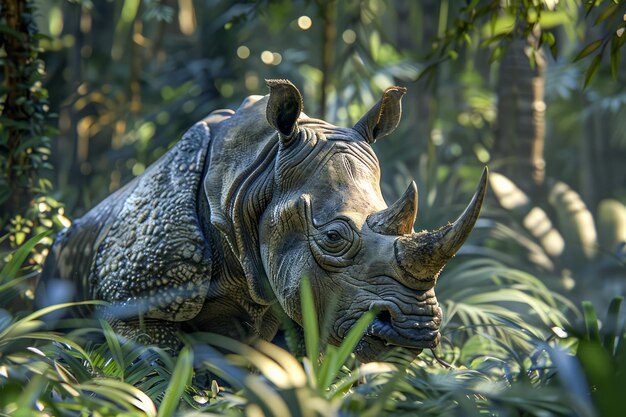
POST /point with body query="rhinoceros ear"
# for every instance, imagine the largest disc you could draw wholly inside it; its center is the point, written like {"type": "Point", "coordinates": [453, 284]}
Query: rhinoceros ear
{"type": "Point", "coordinates": [283, 107]}
{"type": "Point", "coordinates": [383, 118]}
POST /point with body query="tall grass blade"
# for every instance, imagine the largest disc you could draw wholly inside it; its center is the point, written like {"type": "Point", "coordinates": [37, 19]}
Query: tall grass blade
{"type": "Point", "coordinates": [19, 256]}
{"type": "Point", "coordinates": [378, 406]}
{"type": "Point", "coordinates": [181, 377]}
{"type": "Point", "coordinates": [310, 325]}
{"type": "Point", "coordinates": [591, 322]}
{"type": "Point", "coordinates": [15, 281]}
{"type": "Point", "coordinates": [54, 337]}
{"type": "Point", "coordinates": [330, 368]}
{"type": "Point", "coordinates": [120, 395]}
{"type": "Point", "coordinates": [26, 401]}
{"type": "Point", "coordinates": [42, 312]}
{"type": "Point", "coordinates": [611, 325]}
{"type": "Point", "coordinates": [116, 349]}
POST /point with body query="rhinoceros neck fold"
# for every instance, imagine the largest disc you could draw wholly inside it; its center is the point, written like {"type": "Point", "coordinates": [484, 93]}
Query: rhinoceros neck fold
{"type": "Point", "coordinates": [238, 186]}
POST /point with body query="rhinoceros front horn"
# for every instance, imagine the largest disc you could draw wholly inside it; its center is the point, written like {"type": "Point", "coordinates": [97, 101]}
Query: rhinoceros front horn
{"type": "Point", "coordinates": [423, 255]}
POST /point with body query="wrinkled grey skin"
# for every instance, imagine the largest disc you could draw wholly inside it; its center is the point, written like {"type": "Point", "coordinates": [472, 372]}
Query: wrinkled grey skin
{"type": "Point", "coordinates": [230, 220]}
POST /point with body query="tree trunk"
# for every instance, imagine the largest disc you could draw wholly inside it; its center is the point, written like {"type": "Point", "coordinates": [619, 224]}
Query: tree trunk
{"type": "Point", "coordinates": [328, 11]}
{"type": "Point", "coordinates": [520, 131]}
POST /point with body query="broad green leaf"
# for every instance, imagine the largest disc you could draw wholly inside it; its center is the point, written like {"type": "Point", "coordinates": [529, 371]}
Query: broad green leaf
{"type": "Point", "coordinates": [270, 368]}
{"type": "Point", "coordinates": [492, 23]}
{"type": "Point", "coordinates": [328, 369]}
{"type": "Point", "coordinates": [289, 363]}
{"type": "Point", "coordinates": [20, 328]}
{"type": "Point", "coordinates": [496, 54]}
{"type": "Point", "coordinates": [552, 19]}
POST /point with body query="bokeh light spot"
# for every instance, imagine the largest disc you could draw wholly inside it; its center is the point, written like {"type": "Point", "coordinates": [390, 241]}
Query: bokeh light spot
{"type": "Point", "coordinates": [138, 169]}
{"type": "Point", "coordinates": [305, 22]}
{"type": "Point", "coordinates": [349, 36]}
{"type": "Point", "coordinates": [267, 57]}
{"type": "Point", "coordinates": [243, 52]}
{"type": "Point", "coordinates": [227, 90]}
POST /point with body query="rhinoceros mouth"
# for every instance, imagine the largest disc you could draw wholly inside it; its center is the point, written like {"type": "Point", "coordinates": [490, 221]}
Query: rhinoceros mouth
{"type": "Point", "coordinates": [419, 332]}
{"type": "Point", "coordinates": [413, 325]}
{"type": "Point", "coordinates": [374, 347]}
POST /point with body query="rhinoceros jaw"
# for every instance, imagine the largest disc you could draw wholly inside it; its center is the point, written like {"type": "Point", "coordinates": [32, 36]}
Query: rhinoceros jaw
{"type": "Point", "coordinates": [414, 326]}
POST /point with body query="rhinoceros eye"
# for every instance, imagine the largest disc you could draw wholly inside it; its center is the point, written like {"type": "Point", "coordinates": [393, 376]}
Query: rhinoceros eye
{"type": "Point", "coordinates": [335, 244]}
{"type": "Point", "coordinates": [336, 238]}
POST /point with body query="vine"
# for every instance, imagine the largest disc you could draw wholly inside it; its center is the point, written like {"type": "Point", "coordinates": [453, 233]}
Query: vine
{"type": "Point", "coordinates": [26, 207]}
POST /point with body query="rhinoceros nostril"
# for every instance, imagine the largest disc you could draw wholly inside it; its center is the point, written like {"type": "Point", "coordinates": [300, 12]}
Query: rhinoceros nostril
{"type": "Point", "coordinates": [384, 316]}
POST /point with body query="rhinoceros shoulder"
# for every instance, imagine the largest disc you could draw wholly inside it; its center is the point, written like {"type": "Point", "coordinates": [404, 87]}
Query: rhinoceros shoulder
{"type": "Point", "coordinates": [155, 256]}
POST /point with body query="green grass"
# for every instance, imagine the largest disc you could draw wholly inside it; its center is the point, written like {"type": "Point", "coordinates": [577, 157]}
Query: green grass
{"type": "Point", "coordinates": [511, 348]}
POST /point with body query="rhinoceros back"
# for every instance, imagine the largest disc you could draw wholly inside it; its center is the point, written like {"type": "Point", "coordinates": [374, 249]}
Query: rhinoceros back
{"type": "Point", "coordinates": [143, 247]}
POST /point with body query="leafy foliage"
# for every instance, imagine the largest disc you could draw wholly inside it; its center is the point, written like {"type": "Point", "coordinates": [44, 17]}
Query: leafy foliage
{"type": "Point", "coordinates": [90, 368]}
{"type": "Point", "coordinates": [614, 35]}
{"type": "Point", "coordinates": [563, 238]}
{"type": "Point", "coordinates": [602, 355]}
{"type": "Point", "coordinates": [496, 25]}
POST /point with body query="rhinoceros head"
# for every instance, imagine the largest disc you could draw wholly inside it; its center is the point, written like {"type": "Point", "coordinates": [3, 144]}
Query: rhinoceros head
{"type": "Point", "coordinates": [327, 221]}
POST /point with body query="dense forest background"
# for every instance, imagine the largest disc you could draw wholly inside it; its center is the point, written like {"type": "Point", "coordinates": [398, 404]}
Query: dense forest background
{"type": "Point", "coordinates": [94, 91]}
{"type": "Point", "coordinates": [125, 79]}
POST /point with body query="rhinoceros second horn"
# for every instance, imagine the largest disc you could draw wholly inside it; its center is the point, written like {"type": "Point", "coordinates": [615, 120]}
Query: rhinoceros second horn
{"type": "Point", "coordinates": [397, 219]}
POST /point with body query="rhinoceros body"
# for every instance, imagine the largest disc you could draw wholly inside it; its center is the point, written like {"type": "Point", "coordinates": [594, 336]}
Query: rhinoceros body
{"type": "Point", "coordinates": [222, 229]}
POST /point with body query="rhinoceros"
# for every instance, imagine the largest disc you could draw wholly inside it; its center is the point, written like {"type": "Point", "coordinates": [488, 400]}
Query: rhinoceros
{"type": "Point", "coordinates": [224, 227]}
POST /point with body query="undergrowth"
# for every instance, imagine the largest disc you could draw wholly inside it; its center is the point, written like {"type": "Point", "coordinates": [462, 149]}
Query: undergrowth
{"type": "Point", "coordinates": [507, 349]}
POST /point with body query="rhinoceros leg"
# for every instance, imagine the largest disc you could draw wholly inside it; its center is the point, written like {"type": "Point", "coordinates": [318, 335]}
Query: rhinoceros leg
{"type": "Point", "coordinates": [150, 332]}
